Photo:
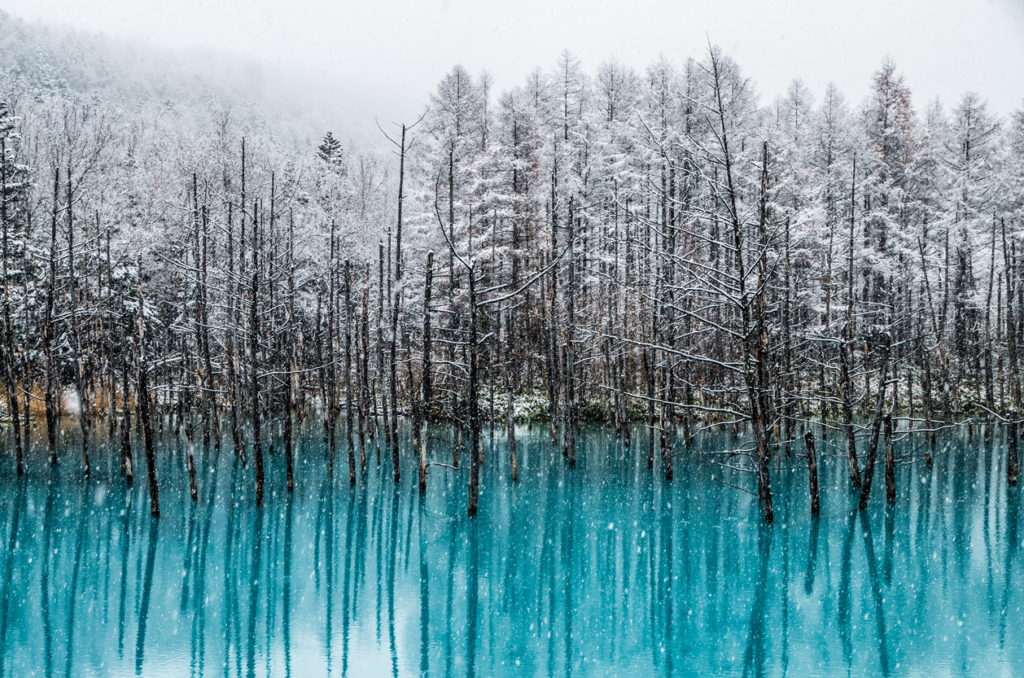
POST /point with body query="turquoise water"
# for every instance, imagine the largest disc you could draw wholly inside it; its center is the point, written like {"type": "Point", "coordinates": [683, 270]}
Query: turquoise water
{"type": "Point", "coordinates": [601, 570]}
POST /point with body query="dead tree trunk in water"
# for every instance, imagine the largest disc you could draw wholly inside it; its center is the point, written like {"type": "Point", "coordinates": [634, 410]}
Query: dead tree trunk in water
{"type": "Point", "coordinates": [396, 307]}
{"type": "Point", "coordinates": [210, 414]}
{"type": "Point", "coordinates": [569, 355]}
{"type": "Point", "coordinates": [844, 347]}
{"type": "Point", "coordinates": [229, 339]}
{"type": "Point", "coordinates": [193, 488]}
{"type": "Point", "coordinates": [9, 352]}
{"type": "Point", "coordinates": [876, 423]}
{"type": "Point", "coordinates": [990, 400]}
{"type": "Point", "coordinates": [235, 311]}
{"type": "Point", "coordinates": [393, 384]}
{"type": "Point", "coordinates": [1012, 466]}
{"type": "Point", "coordinates": [146, 409]}
{"type": "Point", "coordinates": [364, 371]}
{"type": "Point", "coordinates": [331, 413]}
{"type": "Point", "coordinates": [289, 393]}
{"type": "Point", "coordinates": [474, 406]}
{"type": "Point", "coordinates": [380, 355]}
{"type": "Point", "coordinates": [510, 420]}
{"type": "Point", "coordinates": [127, 463]}
{"type": "Point", "coordinates": [1014, 366]}
{"type": "Point", "coordinates": [79, 357]}
{"type": "Point", "coordinates": [761, 413]}
{"type": "Point", "coordinates": [752, 333]}
{"type": "Point", "coordinates": [348, 375]}
{"type": "Point", "coordinates": [551, 352]}
{"type": "Point", "coordinates": [254, 339]}
{"type": "Point", "coordinates": [812, 473]}
{"type": "Point", "coordinates": [890, 462]}
{"type": "Point", "coordinates": [51, 291]}
{"type": "Point", "coordinates": [926, 396]}
{"type": "Point", "coordinates": [425, 378]}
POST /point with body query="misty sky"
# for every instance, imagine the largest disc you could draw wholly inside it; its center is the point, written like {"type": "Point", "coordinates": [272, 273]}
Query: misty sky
{"type": "Point", "coordinates": [384, 57]}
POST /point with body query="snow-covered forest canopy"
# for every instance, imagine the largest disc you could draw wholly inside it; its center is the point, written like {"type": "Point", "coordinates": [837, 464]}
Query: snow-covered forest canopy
{"type": "Point", "coordinates": [609, 244]}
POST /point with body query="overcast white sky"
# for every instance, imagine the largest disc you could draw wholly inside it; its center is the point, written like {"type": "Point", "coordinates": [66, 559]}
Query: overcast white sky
{"type": "Point", "coordinates": [387, 55]}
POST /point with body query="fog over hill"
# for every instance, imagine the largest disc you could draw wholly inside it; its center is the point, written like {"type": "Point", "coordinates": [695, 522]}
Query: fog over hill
{"type": "Point", "coordinates": [191, 88]}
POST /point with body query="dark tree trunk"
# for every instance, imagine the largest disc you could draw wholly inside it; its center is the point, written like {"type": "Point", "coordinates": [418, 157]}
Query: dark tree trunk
{"type": "Point", "coordinates": [474, 406]}
{"type": "Point", "coordinates": [812, 473]}
{"type": "Point", "coordinates": [146, 411]}
{"type": "Point", "coordinates": [890, 462]}
{"type": "Point", "coordinates": [290, 350]}
{"type": "Point", "coordinates": [348, 375]}
{"type": "Point", "coordinates": [51, 291]}
{"type": "Point", "coordinates": [229, 340]}
{"type": "Point", "coordinates": [393, 382]}
{"type": "Point", "coordinates": [844, 349]}
{"type": "Point", "coordinates": [79, 356]}
{"type": "Point", "coordinates": [876, 424]}
{"type": "Point", "coordinates": [9, 351]}
{"type": "Point", "coordinates": [1012, 465]}
{"type": "Point", "coordinates": [254, 339]}
{"type": "Point", "coordinates": [425, 378]}
{"type": "Point", "coordinates": [127, 463]}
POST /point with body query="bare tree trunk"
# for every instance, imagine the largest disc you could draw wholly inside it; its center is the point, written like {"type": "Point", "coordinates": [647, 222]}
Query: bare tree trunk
{"type": "Point", "coordinates": [79, 357]}
{"type": "Point", "coordinates": [51, 291]}
{"type": "Point", "coordinates": [551, 353]}
{"type": "Point", "coordinates": [1014, 365]}
{"type": "Point", "coordinates": [254, 338]}
{"type": "Point", "coordinates": [812, 472]}
{"type": "Point", "coordinates": [193, 488]}
{"type": "Point", "coordinates": [890, 462]}
{"type": "Point", "coordinates": [364, 379]}
{"type": "Point", "coordinates": [331, 414]}
{"type": "Point", "coordinates": [393, 383]}
{"type": "Point", "coordinates": [229, 340]}
{"type": "Point", "coordinates": [145, 410]}
{"type": "Point", "coordinates": [1012, 464]}
{"type": "Point", "coordinates": [382, 433]}
{"type": "Point", "coordinates": [990, 401]}
{"type": "Point", "coordinates": [751, 329]}
{"type": "Point", "coordinates": [209, 395]}
{"type": "Point", "coordinates": [569, 407]}
{"type": "Point", "coordinates": [651, 425]}
{"type": "Point", "coordinates": [290, 350]}
{"type": "Point", "coordinates": [425, 378]}
{"type": "Point", "coordinates": [9, 351]}
{"type": "Point", "coordinates": [474, 405]}
{"type": "Point", "coordinates": [510, 420]}
{"type": "Point", "coordinates": [127, 463]}
{"type": "Point", "coordinates": [876, 423]}
{"type": "Point", "coordinates": [348, 375]}
{"type": "Point", "coordinates": [844, 348]}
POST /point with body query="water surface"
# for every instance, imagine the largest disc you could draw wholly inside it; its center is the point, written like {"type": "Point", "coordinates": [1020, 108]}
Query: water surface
{"type": "Point", "coordinates": [601, 570]}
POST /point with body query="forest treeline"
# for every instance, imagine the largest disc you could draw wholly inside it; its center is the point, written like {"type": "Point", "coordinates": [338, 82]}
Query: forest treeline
{"type": "Point", "coordinates": [654, 247]}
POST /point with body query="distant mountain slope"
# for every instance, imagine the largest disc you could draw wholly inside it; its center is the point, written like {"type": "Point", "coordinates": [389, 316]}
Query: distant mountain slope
{"type": "Point", "coordinates": [39, 61]}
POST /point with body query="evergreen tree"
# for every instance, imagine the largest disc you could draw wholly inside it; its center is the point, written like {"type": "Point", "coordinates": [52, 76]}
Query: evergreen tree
{"type": "Point", "coordinates": [329, 150]}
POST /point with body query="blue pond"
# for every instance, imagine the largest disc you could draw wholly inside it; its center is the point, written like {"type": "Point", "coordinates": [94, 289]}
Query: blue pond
{"type": "Point", "coordinates": [594, 571]}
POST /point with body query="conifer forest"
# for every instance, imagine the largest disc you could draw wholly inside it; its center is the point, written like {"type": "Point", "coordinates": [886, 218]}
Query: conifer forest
{"type": "Point", "coordinates": [612, 370]}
